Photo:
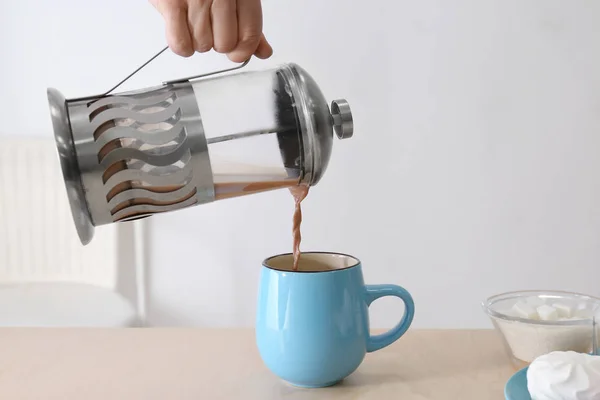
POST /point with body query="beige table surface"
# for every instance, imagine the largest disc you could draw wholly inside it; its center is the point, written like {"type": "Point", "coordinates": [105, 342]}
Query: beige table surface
{"type": "Point", "coordinates": [173, 364]}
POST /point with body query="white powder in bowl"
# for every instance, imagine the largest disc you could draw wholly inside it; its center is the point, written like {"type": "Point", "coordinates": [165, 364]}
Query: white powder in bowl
{"type": "Point", "coordinates": [529, 341]}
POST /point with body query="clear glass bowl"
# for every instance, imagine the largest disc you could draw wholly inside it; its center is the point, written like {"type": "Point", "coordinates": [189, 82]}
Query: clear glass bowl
{"type": "Point", "coordinates": [525, 339]}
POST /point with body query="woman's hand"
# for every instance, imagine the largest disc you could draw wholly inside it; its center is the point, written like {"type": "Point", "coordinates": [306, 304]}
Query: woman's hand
{"type": "Point", "coordinates": [232, 27]}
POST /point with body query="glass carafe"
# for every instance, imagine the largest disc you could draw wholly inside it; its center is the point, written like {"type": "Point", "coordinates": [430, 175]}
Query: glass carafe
{"type": "Point", "coordinates": [193, 141]}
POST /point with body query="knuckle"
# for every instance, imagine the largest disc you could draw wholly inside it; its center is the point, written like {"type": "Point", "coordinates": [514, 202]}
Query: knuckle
{"type": "Point", "coordinates": [173, 6]}
{"type": "Point", "coordinates": [225, 46]}
{"type": "Point", "coordinates": [182, 49]}
{"type": "Point", "coordinates": [250, 38]}
{"type": "Point", "coordinates": [174, 3]}
{"type": "Point", "coordinates": [183, 52]}
{"type": "Point", "coordinates": [203, 41]}
{"type": "Point", "coordinates": [225, 5]}
{"type": "Point", "coordinates": [203, 47]}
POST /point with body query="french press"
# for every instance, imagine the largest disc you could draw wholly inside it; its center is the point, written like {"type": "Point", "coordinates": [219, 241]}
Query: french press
{"type": "Point", "coordinates": [192, 141]}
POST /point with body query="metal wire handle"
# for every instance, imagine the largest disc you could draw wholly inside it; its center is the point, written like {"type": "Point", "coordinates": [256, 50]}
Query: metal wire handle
{"type": "Point", "coordinates": [167, 82]}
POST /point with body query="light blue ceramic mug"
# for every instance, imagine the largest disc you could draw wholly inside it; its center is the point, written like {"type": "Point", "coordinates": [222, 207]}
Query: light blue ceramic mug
{"type": "Point", "coordinates": [312, 326]}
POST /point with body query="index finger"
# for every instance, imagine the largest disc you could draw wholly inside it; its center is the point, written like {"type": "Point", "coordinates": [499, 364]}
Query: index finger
{"type": "Point", "coordinates": [178, 34]}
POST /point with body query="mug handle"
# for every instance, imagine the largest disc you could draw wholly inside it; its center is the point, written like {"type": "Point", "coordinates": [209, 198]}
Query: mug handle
{"type": "Point", "coordinates": [374, 292]}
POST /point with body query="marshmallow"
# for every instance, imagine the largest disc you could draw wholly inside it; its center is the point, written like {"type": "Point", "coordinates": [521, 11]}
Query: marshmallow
{"type": "Point", "coordinates": [525, 310]}
{"type": "Point", "coordinates": [547, 313]}
{"type": "Point", "coordinates": [563, 310]}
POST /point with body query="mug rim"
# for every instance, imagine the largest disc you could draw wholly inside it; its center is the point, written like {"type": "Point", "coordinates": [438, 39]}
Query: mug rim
{"type": "Point", "coordinates": [331, 253]}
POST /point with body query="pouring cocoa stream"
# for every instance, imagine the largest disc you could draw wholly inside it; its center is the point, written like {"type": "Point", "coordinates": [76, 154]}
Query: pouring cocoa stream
{"type": "Point", "coordinates": [299, 193]}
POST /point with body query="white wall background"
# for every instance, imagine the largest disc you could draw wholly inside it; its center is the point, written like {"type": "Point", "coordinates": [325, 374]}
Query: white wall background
{"type": "Point", "coordinates": [475, 166]}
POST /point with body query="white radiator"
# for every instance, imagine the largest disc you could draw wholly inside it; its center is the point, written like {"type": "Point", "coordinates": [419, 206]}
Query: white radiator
{"type": "Point", "coordinates": [38, 241]}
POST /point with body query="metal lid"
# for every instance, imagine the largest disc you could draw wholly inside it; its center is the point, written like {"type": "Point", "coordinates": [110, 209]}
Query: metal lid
{"type": "Point", "coordinates": [69, 165]}
{"type": "Point", "coordinates": [316, 122]}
